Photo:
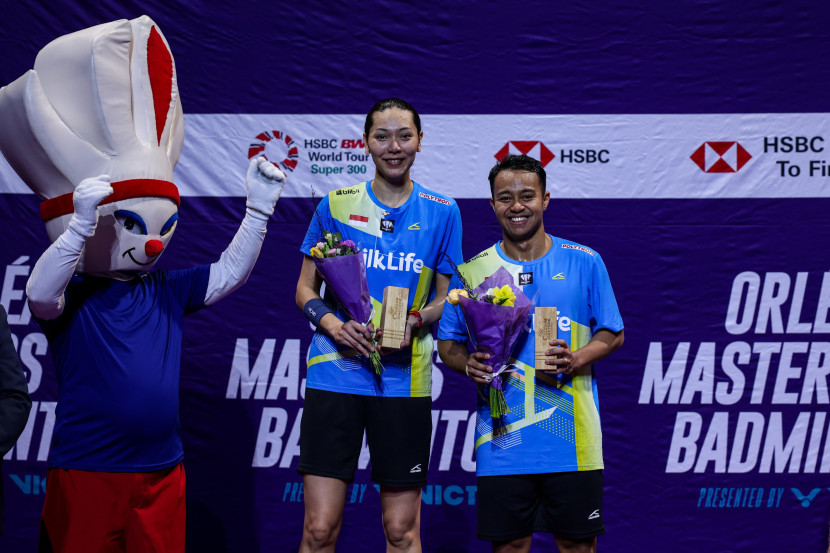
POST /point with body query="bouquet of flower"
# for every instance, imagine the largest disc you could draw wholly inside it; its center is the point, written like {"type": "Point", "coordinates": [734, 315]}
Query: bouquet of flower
{"type": "Point", "coordinates": [340, 264]}
{"type": "Point", "coordinates": [496, 312]}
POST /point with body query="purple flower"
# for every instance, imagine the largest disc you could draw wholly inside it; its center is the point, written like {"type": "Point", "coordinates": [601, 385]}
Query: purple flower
{"type": "Point", "coordinates": [495, 328]}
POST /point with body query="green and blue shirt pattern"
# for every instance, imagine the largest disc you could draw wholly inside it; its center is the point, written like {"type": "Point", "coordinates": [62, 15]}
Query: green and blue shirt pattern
{"type": "Point", "coordinates": [402, 246]}
{"type": "Point", "coordinates": [553, 424]}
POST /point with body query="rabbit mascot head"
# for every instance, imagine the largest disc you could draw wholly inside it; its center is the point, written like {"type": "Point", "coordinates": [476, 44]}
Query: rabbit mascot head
{"type": "Point", "coordinates": [103, 100]}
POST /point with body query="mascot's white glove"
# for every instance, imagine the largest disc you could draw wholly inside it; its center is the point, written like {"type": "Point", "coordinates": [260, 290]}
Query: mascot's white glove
{"type": "Point", "coordinates": [88, 194]}
{"type": "Point", "coordinates": [265, 183]}
{"type": "Point", "coordinates": [55, 267]}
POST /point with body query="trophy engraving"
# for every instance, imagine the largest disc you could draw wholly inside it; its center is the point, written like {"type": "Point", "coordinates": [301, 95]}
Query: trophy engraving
{"type": "Point", "coordinates": [393, 316]}
{"type": "Point", "coordinates": [544, 326]}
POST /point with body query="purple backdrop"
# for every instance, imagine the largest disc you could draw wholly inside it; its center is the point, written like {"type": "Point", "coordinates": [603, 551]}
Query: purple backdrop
{"type": "Point", "coordinates": [714, 412]}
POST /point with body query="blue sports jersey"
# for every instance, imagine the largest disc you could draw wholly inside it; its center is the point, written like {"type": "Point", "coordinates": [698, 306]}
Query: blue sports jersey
{"type": "Point", "coordinates": [553, 424]}
{"type": "Point", "coordinates": [402, 246]}
{"type": "Point", "coordinates": [117, 352]}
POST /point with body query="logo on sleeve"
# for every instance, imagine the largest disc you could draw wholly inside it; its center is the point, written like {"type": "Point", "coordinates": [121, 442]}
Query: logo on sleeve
{"type": "Point", "coordinates": [575, 247]}
{"type": "Point", "coordinates": [434, 198]}
{"type": "Point", "coordinates": [525, 278]}
{"type": "Point", "coordinates": [387, 225]}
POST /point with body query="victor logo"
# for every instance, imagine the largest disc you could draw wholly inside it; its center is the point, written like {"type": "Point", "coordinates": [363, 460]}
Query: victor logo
{"type": "Point", "coordinates": [30, 484]}
{"type": "Point", "coordinates": [805, 499]}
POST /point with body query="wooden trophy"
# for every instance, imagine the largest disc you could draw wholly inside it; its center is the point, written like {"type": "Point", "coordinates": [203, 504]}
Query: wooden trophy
{"type": "Point", "coordinates": [544, 325]}
{"type": "Point", "coordinates": [393, 316]}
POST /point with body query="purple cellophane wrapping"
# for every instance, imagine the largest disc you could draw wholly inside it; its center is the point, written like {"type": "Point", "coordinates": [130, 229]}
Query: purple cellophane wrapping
{"type": "Point", "coordinates": [494, 329]}
{"type": "Point", "coordinates": [345, 276]}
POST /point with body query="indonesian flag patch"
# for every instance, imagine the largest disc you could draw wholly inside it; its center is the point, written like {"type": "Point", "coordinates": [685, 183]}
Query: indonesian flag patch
{"type": "Point", "coordinates": [358, 221]}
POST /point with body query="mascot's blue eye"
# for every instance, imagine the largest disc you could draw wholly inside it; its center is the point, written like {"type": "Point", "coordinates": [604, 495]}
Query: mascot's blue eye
{"type": "Point", "coordinates": [169, 224]}
{"type": "Point", "coordinates": [132, 222]}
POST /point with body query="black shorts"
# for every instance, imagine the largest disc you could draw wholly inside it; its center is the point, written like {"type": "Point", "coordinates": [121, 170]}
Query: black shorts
{"type": "Point", "coordinates": [398, 432]}
{"type": "Point", "coordinates": [565, 504]}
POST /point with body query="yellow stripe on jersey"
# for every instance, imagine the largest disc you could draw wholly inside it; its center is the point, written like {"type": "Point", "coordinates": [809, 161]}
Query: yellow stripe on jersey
{"type": "Point", "coordinates": [587, 430]}
{"type": "Point", "coordinates": [421, 377]}
{"type": "Point", "coordinates": [422, 289]}
{"type": "Point", "coordinates": [422, 344]}
{"type": "Point", "coordinates": [345, 354]}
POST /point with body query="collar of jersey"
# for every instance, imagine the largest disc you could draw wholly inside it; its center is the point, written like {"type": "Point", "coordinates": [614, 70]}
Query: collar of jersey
{"type": "Point", "coordinates": [416, 188]}
{"type": "Point", "coordinates": [526, 263]}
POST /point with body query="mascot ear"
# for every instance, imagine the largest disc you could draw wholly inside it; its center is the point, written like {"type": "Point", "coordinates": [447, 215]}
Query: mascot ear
{"type": "Point", "coordinates": [103, 100]}
{"type": "Point", "coordinates": [38, 144]}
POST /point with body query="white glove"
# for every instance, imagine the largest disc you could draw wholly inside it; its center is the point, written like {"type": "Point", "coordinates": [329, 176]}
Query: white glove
{"type": "Point", "coordinates": [88, 194]}
{"type": "Point", "coordinates": [265, 183]}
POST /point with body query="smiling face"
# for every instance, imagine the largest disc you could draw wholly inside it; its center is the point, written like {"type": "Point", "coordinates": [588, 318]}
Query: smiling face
{"type": "Point", "coordinates": [130, 236]}
{"type": "Point", "coordinates": [519, 204]}
{"type": "Point", "coordinates": [393, 141]}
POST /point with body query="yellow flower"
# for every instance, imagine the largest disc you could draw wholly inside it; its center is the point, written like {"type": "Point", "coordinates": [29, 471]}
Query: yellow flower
{"type": "Point", "coordinates": [315, 252]}
{"type": "Point", "coordinates": [455, 294]}
{"type": "Point", "coordinates": [503, 296]}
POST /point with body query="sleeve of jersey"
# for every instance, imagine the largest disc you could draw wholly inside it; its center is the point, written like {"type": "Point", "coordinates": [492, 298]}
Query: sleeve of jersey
{"type": "Point", "coordinates": [451, 243]}
{"type": "Point", "coordinates": [603, 302]}
{"type": "Point", "coordinates": [190, 286]}
{"type": "Point", "coordinates": [452, 325]}
{"type": "Point", "coordinates": [315, 229]}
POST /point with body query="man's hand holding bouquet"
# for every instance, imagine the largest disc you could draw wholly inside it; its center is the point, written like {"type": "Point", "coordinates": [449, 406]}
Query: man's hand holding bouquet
{"type": "Point", "coordinates": [496, 312]}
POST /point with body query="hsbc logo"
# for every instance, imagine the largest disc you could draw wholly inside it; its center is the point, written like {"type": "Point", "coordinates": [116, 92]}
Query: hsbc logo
{"type": "Point", "coordinates": [538, 150]}
{"type": "Point", "coordinates": [532, 148]}
{"type": "Point", "coordinates": [720, 157]}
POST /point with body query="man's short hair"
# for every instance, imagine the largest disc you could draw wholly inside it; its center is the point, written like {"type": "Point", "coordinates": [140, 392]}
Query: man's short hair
{"type": "Point", "coordinates": [513, 162]}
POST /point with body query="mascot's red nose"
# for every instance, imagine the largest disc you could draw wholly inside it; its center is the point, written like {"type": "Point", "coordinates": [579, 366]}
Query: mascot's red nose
{"type": "Point", "coordinates": [153, 247]}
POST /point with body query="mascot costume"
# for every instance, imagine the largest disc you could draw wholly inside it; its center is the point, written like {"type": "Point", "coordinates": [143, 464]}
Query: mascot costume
{"type": "Point", "coordinates": [104, 101]}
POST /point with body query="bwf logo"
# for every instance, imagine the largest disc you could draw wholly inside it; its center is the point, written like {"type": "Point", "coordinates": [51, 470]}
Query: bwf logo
{"type": "Point", "coordinates": [276, 145]}
{"type": "Point", "coordinates": [525, 278]}
{"type": "Point", "coordinates": [720, 157]}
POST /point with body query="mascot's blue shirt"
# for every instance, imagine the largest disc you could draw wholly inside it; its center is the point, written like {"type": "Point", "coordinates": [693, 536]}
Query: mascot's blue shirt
{"type": "Point", "coordinates": [117, 352]}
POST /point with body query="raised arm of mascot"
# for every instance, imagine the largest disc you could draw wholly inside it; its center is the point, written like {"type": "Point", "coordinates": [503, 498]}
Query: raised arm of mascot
{"type": "Point", "coordinates": [54, 269]}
